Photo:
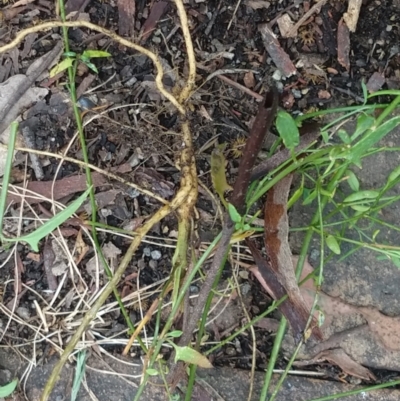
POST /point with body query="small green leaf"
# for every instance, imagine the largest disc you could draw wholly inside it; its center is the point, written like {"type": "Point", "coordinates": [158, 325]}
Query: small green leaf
{"type": "Point", "coordinates": [360, 208]}
{"type": "Point", "coordinates": [152, 372]}
{"type": "Point", "coordinates": [8, 389]}
{"type": "Point", "coordinates": [33, 238]}
{"type": "Point", "coordinates": [373, 136]}
{"type": "Point", "coordinates": [364, 122]}
{"type": "Point", "coordinates": [297, 194]}
{"type": "Point", "coordinates": [62, 66]}
{"type": "Point", "coordinates": [288, 130]}
{"type": "Point", "coordinates": [69, 54]}
{"type": "Point", "coordinates": [362, 195]}
{"type": "Point", "coordinates": [310, 196]}
{"type": "Point", "coordinates": [352, 180]}
{"type": "Point", "coordinates": [91, 66]}
{"type": "Point", "coordinates": [332, 244]}
{"type": "Point", "coordinates": [365, 91]}
{"type": "Point", "coordinates": [234, 214]}
{"type": "Point", "coordinates": [394, 174]}
{"type": "Point", "coordinates": [375, 234]}
{"type": "Point", "coordinates": [175, 333]}
{"type": "Point", "coordinates": [344, 136]}
{"type": "Point", "coordinates": [325, 136]}
{"type": "Point", "coordinates": [324, 192]}
{"type": "Point", "coordinates": [396, 261]}
{"type": "Point", "coordinates": [190, 355]}
{"type": "Point", "coordinates": [95, 54]}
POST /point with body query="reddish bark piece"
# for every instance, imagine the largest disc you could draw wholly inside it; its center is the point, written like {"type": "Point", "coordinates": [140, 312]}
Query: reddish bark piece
{"type": "Point", "coordinates": [343, 38]}
{"type": "Point", "coordinates": [268, 278]}
{"type": "Point", "coordinates": [265, 117]}
{"type": "Point", "coordinates": [278, 250]}
{"type": "Point", "coordinates": [375, 82]}
{"type": "Point", "coordinates": [126, 17]}
{"type": "Point", "coordinates": [156, 13]}
{"type": "Point", "coordinates": [274, 49]}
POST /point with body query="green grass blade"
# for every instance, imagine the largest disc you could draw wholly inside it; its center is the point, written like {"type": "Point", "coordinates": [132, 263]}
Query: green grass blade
{"type": "Point", "coordinates": [7, 173]}
{"type": "Point", "coordinates": [372, 137]}
{"type": "Point", "coordinates": [33, 238]}
{"type": "Point", "coordinates": [80, 370]}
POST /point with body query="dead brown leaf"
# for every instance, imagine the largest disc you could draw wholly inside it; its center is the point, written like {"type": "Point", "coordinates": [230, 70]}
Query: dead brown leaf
{"type": "Point", "coordinates": [340, 358]}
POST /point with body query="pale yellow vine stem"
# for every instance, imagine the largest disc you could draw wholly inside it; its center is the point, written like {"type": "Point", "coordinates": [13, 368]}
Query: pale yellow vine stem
{"type": "Point", "coordinates": [77, 24]}
{"type": "Point", "coordinates": [187, 90]}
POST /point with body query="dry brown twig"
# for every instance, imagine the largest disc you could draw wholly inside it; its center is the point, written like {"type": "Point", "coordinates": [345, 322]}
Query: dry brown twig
{"type": "Point", "coordinates": [184, 200]}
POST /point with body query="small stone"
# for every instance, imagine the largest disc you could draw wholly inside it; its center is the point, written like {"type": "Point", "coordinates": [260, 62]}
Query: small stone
{"type": "Point", "coordinates": [23, 313]}
{"type": "Point", "coordinates": [146, 251]}
{"type": "Point", "coordinates": [153, 264]}
{"type": "Point", "coordinates": [277, 75]}
{"type": "Point", "coordinates": [156, 255]}
{"type": "Point", "coordinates": [296, 93]}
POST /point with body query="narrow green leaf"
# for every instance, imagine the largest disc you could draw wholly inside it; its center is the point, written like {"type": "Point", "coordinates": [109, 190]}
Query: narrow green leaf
{"type": "Point", "coordinates": [190, 355]}
{"type": "Point", "coordinates": [371, 138]}
{"type": "Point", "coordinates": [325, 136]}
{"type": "Point", "coordinates": [91, 66]}
{"type": "Point", "coordinates": [365, 91]}
{"type": "Point", "coordinates": [324, 192]}
{"type": "Point", "coordinates": [364, 122]}
{"type": "Point", "coordinates": [79, 373]}
{"type": "Point", "coordinates": [352, 180]}
{"type": "Point", "coordinates": [310, 196]}
{"type": "Point", "coordinates": [152, 372]}
{"type": "Point", "coordinates": [288, 130]}
{"type": "Point", "coordinates": [394, 174]}
{"type": "Point", "coordinates": [175, 333]}
{"type": "Point", "coordinates": [332, 244]}
{"type": "Point", "coordinates": [234, 214]}
{"type": "Point", "coordinates": [297, 194]}
{"type": "Point", "coordinates": [62, 66]}
{"type": "Point", "coordinates": [95, 54]}
{"type": "Point", "coordinates": [396, 261]}
{"type": "Point", "coordinates": [344, 136]}
{"type": "Point", "coordinates": [362, 195]}
{"type": "Point", "coordinates": [8, 389]}
{"type": "Point", "coordinates": [69, 54]}
{"type": "Point", "coordinates": [33, 238]}
{"type": "Point", "coordinates": [360, 208]}
{"type": "Point", "coordinates": [7, 172]}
